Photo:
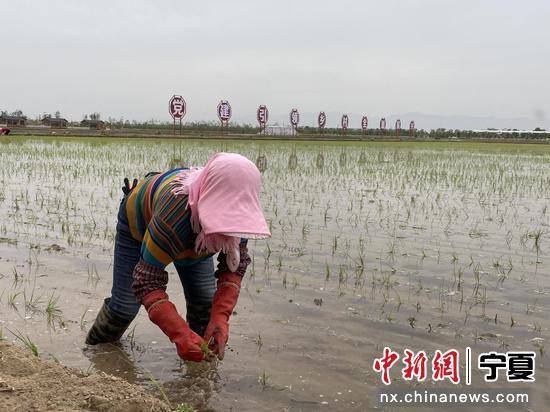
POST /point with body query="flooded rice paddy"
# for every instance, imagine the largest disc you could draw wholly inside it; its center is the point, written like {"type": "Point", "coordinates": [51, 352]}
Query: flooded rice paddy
{"type": "Point", "coordinates": [408, 245]}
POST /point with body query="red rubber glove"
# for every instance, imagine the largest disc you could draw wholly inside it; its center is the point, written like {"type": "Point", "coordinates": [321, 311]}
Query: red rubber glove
{"type": "Point", "coordinates": [163, 313]}
{"type": "Point", "coordinates": [225, 299]}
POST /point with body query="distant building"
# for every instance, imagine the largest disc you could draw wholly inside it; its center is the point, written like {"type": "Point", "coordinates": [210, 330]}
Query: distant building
{"type": "Point", "coordinates": [14, 121]}
{"type": "Point", "coordinates": [93, 124]}
{"type": "Point", "coordinates": [55, 122]}
{"type": "Point", "coordinates": [511, 131]}
{"type": "Point", "coordinates": [278, 131]}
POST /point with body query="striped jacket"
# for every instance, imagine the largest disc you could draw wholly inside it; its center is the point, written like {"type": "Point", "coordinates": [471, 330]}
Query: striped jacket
{"type": "Point", "coordinates": [161, 221]}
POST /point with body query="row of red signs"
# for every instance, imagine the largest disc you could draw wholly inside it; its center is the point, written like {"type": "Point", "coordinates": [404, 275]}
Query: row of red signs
{"type": "Point", "coordinates": [178, 107]}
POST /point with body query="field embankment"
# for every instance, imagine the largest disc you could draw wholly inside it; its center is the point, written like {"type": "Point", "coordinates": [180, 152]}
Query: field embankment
{"type": "Point", "coordinates": [28, 383]}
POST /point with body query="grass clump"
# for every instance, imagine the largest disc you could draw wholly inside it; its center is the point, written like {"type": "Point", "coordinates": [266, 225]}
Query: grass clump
{"type": "Point", "coordinates": [185, 407]}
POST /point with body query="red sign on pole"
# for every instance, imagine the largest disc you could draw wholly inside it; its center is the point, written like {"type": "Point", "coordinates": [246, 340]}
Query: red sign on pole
{"type": "Point", "coordinates": [224, 111]}
{"type": "Point", "coordinates": [383, 123]}
{"type": "Point", "coordinates": [365, 123]}
{"type": "Point", "coordinates": [322, 120]}
{"type": "Point", "coordinates": [262, 115]}
{"type": "Point", "coordinates": [397, 126]}
{"type": "Point", "coordinates": [344, 122]}
{"type": "Point", "coordinates": [412, 126]}
{"type": "Point", "coordinates": [177, 109]}
{"type": "Point", "coordinates": [224, 114]}
{"type": "Point", "coordinates": [294, 118]}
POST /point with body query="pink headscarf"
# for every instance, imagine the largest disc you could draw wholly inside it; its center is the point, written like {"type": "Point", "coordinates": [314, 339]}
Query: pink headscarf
{"type": "Point", "coordinates": [225, 206]}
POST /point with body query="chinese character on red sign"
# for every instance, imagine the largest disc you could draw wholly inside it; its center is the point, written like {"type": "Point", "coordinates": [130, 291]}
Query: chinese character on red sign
{"type": "Point", "coordinates": [385, 363]}
{"type": "Point", "coordinates": [177, 107]}
{"type": "Point", "coordinates": [445, 365]}
{"type": "Point", "coordinates": [262, 115]}
{"type": "Point", "coordinates": [224, 111]}
{"type": "Point", "coordinates": [365, 122]}
{"type": "Point", "coordinates": [415, 365]}
{"type": "Point", "coordinates": [345, 121]}
{"type": "Point", "coordinates": [294, 117]}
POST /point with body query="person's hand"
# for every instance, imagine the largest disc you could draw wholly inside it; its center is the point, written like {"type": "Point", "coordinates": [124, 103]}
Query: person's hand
{"type": "Point", "coordinates": [225, 299]}
{"type": "Point", "coordinates": [217, 335]}
{"type": "Point", "coordinates": [126, 189]}
{"type": "Point", "coordinates": [163, 313]}
{"type": "Point", "coordinates": [189, 345]}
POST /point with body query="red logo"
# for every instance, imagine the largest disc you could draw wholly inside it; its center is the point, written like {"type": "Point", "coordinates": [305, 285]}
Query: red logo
{"type": "Point", "coordinates": [445, 365]}
{"type": "Point", "coordinates": [224, 111]}
{"type": "Point", "coordinates": [177, 107]}
{"type": "Point", "coordinates": [415, 365]}
{"type": "Point", "coordinates": [385, 363]}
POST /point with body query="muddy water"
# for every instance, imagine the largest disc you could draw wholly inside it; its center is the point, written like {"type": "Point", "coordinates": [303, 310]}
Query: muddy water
{"type": "Point", "coordinates": [406, 245]}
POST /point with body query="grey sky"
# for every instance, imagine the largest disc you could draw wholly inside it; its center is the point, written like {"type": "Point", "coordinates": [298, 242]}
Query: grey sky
{"type": "Point", "coordinates": [126, 58]}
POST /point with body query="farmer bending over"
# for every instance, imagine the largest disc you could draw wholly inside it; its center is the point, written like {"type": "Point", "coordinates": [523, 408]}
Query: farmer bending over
{"type": "Point", "coordinates": [184, 216]}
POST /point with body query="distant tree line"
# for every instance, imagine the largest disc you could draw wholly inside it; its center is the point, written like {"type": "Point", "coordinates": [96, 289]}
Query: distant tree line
{"type": "Point", "coordinates": [166, 127]}
{"type": "Point", "coordinates": [18, 113]}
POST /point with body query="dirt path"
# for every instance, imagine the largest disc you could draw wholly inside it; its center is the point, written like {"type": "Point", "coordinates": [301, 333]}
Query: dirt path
{"type": "Point", "coordinates": [28, 383]}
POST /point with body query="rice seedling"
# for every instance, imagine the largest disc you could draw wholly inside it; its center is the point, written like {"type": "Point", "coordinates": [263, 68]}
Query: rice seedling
{"type": "Point", "coordinates": [259, 342]}
{"type": "Point", "coordinates": [17, 278]}
{"type": "Point", "coordinates": [334, 244]}
{"type": "Point", "coordinates": [263, 379]}
{"type": "Point", "coordinates": [52, 311]}
{"type": "Point", "coordinates": [26, 341]}
{"type": "Point", "coordinates": [536, 235]}
{"type": "Point", "coordinates": [93, 275]}
{"type": "Point", "coordinates": [131, 338]}
{"type": "Point", "coordinates": [32, 302]}
{"type": "Point", "coordinates": [279, 263]}
{"type": "Point", "coordinates": [12, 300]}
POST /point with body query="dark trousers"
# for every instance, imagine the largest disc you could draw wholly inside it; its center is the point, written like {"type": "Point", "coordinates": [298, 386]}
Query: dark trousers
{"type": "Point", "coordinates": [197, 279]}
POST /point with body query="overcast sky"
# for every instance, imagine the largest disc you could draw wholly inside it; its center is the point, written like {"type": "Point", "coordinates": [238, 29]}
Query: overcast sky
{"type": "Point", "coordinates": [126, 58]}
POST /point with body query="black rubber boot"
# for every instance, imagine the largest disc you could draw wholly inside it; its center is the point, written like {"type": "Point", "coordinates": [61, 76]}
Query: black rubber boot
{"type": "Point", "coordinates": [108, 326]}
{"type": "Point", "coordinates": [198, 317]}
